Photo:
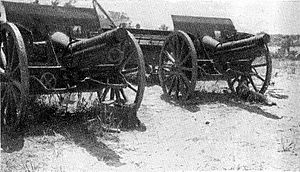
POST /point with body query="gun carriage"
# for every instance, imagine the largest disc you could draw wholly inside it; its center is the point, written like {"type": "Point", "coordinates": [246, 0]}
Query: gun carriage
{"type": "Point", "coordinates": [203, 49]}
{"type": "Point", "coordinates": [151, 42]}
{"type": "Point", "coordinates": [37, 57]}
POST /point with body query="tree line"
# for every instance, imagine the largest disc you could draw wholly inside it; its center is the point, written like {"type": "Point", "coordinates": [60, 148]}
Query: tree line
{"type": "Point", "coordinates": [55, 3]}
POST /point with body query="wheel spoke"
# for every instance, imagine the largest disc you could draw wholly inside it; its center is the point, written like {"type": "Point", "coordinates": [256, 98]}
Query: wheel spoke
{"type": "Point", "coordinates": [182, 81]}
{"type": "Point", "coordinates": [254, 69]}
{"type": "Point", "coordinates": [17, 84]}
{"type": "Point", "coordinates": [4, 37]}
{"type": "Point", "coordinates": [259, 65]}
{"type": "Point", "coordinates": [129, 85]}
{"type": "Point", "coordinates": [48, 83]}
{"type": "Point", "coordinates": [259, 77]}
{"type": "Point", "coordinates": [169, 56]}
{"type": "Point", "coordinates": [186, 80]}
{"type": "Point", "coordinates": [168, 77]}
{"type": "Point", "coordinates": [172, 85]}
{"type": "Point", "coordinates": [126, 59]}
{"type": "Point", "coordinates": [99, 94]}
{"type": "Point", "coordinates": [2, 71]}
{"type": "Point", "coordinates": [170, 72]}
{"type": "Point", "coordinates": [14, 96]}
{"type": "Point", "coordinates": [234, 80]}
{"type": "Point", "coordinates": [12, 116]}
{"type": "Point", "coordinates": [129, 53]}
{"type": "Point", "coordinates": [6, 44]}
{"type": "Point", "coordinates": [123, 46]}
{"type": "Point", "coordinates": [4, 102]}
{"type": "Point", "coordinates": [183, 86]}
{"type": "Point", "coordinates": [118, 97]}
{"type": "Point", "coordinates": [170, 47]}
{"type": "Point", "coordinates": [252, 83]}
{"type": "Point", "coordinates": [177, 87]}
{"type": "Point", "coordinates": [11, 97]}
{"type": "Point", "coordinates": [103, 96]}
{"type": "Point", "coordinates": [112, 93]}
{"type": "Point", "coordinates": [177, 53]}
{"type": "Point", "coordinates": [124, 95]}
{"type": "Point", "coordinates": [10, 50]}
{"type": "Point", "coordinates": [15, 69]}
{"type": "Point", "coordinates": [130, 70]}
{"type": "Point", "coordinates": [5, 94]}
{"type": "Point", "coordinates": [166, 70]}
{"type": "Point", "coordinates": [3, 59]}
{"type": "Point", "coordinates": [181, 50]}
{"type": "Point", "coordinates": [166, 66]}
{"type": "Point", "coordinates": [174, 44]}
{"type": "Point", "coordinates": [51, 80]}
{"type": "Point", "coordinates": [185, 59]}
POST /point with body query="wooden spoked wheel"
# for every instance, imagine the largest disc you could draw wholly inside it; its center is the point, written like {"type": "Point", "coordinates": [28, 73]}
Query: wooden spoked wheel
{"type": "Point", "coordinates": [178, 66]}
{"type": "Point", "coordinates": [257, 75]}
{"type": "Point", "coordinates": [14, 76]}
{"type": "Point", "coordinates": [131, 68]}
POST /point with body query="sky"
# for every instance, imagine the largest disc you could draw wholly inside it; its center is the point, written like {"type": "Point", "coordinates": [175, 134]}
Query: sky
{"type": "Point", "coordinates": [253, 16]}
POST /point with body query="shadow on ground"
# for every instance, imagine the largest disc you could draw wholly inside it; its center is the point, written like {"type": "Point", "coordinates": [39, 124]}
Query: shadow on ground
{"type": "Point", "coordinates": [72, 127]}
{"type": "Point", "coordinates": [202, 98]}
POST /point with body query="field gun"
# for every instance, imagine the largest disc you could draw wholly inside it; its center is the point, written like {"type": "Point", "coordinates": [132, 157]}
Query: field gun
{"type": "Point", "coordinates": [38, 57]}
{"type": "Point", "coordinates": [205, 48]}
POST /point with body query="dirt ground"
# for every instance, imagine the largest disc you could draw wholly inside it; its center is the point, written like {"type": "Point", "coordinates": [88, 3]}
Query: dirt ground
{"type": "Point", "coordinates": [213, 131]}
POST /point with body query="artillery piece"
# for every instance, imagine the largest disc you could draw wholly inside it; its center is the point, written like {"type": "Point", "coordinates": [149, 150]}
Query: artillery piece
{"type": "Point", "coordinates": [203, 48]}
{"type": "Point", "coordinates": [110, 63]}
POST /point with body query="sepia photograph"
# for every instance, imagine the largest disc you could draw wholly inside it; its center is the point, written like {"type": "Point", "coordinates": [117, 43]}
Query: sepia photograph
{"type": "Point", "coordinates": [150, 85]}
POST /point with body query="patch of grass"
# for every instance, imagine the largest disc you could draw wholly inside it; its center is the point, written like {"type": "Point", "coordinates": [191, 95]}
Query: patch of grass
{"type": "Point", "coordinates": [98, 117]}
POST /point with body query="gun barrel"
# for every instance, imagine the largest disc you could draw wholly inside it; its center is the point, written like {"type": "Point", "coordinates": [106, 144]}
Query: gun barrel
{"type": "Point", "coordinates": [110, 37]}
{"type": "Point", "coordinates": [215, 45]}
